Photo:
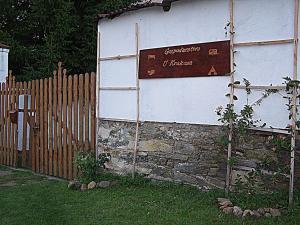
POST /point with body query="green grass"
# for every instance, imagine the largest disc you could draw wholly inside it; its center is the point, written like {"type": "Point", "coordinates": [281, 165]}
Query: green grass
{"type": "Point", "coordinates": [41, 201]}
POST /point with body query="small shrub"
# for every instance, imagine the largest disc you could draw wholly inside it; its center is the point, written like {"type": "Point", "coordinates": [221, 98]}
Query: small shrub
{"type": "Point", "coordinates": [87, 164]}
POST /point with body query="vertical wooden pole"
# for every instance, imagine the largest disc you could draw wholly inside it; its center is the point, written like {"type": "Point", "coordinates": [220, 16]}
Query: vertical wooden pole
{"type": "Point", "coordinates": [98, 88]}
{"type": "Point", "coordinates": [32, 124]}
{"type": "Point", "coordinates": [13, 108]}
{"type": "Point", "coordinates": [294, 103]}
{"type": "Point", "coordinates": [229, 149]}
{"type": "Point", "coordinates": [65, 144]}
{"type": "Point", "coordinates": [55, 151]}
{"type": "Point", "coordinates": [6, 117]}
{"type": "Point", "coordinates": [16, 132]}
{"type": "Point", "coordinates": [137, 100]}
{"type": "Point", "coordinates": [37, 126]}
{"type": "Point", "coordinates": [28, 93]}
{"type": "Point", "coordinates": [75, 137]}
{"type": "Point", "coordinates": [59, 120]}
{"type": "Point", "coordinates": [86, 111]}
{"type": "Point", "coordinates": [25, 119]}
{"type": "Point", "coordinates": [93, 112]}
{"type": "Point", "coordinates": [1, 124]}
{"type": "Point", "coordinates": [9, 121]}
{"type": "Point", "coordinates": [42, 146]}
{"type": "Point", "coordinates": [70, 142]}
{"type": "Point", "coordinates": [50, 122]}
{"type": "Point", "coordinates": [46, 169]}
{"type": "Point", "coordinates": [81, 97]}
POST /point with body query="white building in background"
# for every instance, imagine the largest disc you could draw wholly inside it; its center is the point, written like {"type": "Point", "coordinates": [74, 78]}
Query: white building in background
{"type": "Point", "coordinates": [194, 99]}
{"type": "Point", "coordinates": [4, 50]}
{"type": "Point", "coordinates": [178, 133]}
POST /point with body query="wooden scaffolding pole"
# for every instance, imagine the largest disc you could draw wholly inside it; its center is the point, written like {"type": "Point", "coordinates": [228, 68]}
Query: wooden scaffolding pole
{"type": "Point", "coordinates": [294, 103]}
{"type": "Point", "coordinates": [97, 92]}
{"type": "Point", "coordinates": [229, 149]}
{"type": "Point", "coordinates": [137, 100]}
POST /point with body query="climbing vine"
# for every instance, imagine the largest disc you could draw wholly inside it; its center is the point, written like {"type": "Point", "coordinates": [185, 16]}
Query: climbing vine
{"type": "Point", "coordinates": [269, 170]}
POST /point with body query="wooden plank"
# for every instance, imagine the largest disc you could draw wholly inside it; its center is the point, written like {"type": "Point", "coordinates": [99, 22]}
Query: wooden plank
{"type": "Point", "coordinates": [229, 148]}
{"type": "Point", "coordinates": [50, 122]}
{"type": "Point", "coordinates": [37, 128]}
{"type": "Point", "coordinates": [24, 133]}
{"type": "Point", "coordinates": [46, 152]}
{"type": "Point", "coordinates": [6, 118]}
{"type": "Point", "coordinates": [13, 108]}
{"type": "Point", "coordinates": [41, 133]}
{"type": "Point", "coordinates": [98, 85]}
{"type": "Point", "coordinates": [81, 97]}
{"type": "Point", "coordinates": [93, 112]}
{"type": "Point", "coordinates": [59, 120]}
{"type": "Point", "coordinates": [16, 136]}
{"type": "Point", "coordinates": [294, 104]}
{"type": "Point", "coordinates": [28, 92]}
{"type": "Point", "coordinates": [260, 87]}
{"type": "Point", "coordinates": [137, 100]}
{"type": "Point", "coordinates": [118, 57]}
{"type": "Point", "coordinates": [31, 122]}
{"type": "Point", "coordinates": [70, 141]}
{"type": "Point", "coordinates": [65, 143]}
{"type": "Point", "coordinates": [9, 128]}
{"type": "Point", "coordinates": [55, 149]}
{"type": "Point", "coordinates": [118, 89]}
{"type": "Point", "coordinates": [86, 110]}
{"type": "Point", "coordinates": [1, 124]}
{"type": "Point", "coordinates": [261, 43]}
{"type": "Point", "coordinates": [75, 119]}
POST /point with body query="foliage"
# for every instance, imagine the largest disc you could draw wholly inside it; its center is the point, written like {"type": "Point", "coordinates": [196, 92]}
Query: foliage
{"type": "Point", "coordinates": [250, 183]}
{"type": "Point", "coordinates": [87, 163]}
{"type": "Point", "coordinates": [42, 33]}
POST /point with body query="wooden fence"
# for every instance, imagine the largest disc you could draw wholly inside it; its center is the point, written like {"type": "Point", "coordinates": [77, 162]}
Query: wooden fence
{"type": "Point", "coordinates": [59, 118]}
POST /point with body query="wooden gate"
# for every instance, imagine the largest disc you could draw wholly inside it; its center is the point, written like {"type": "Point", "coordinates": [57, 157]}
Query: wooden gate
{"type": "Point", "coordinates": [59, 118]}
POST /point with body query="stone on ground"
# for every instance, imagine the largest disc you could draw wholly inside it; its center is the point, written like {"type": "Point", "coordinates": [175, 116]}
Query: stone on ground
{"type": "Point", "coordinates": [228, 210]}
{"type": "Point", "coordinates": [83, 187]}
{"type": "Point", "coordinates": [103, 184]}
{"type": "Point", "coordinates": [248, 212]}
{"type": "Point", "coordinates": [92, 185]}
{"type": "Point", "coordinates": [275, 212]}
{"type": "Point", "coordinates": [237, 211]}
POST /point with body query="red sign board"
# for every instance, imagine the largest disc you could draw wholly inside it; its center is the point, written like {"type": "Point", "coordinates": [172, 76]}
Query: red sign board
{"type": "Point", "coordinates": [196, 60]}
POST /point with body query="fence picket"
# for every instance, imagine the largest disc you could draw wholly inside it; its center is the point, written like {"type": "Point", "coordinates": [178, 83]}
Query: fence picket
{"type": "Point", "coordinates": [55, 162]}
{"type": "Point", "coordinates": [37, 126]}
{"type": "Point", "coordinates": [81, 97]}
{"type": "Point", "coordinates": [8, 122]}
{"type": "Point", "coordinates": [41, 133]}
{"type": "Point", "coordinates": [15, 125]}
{"type": "Point", "coordinates": [24, 134]}
{"type": "Point", "coordinates": [75, 137]}
{"type": "Point", "coordinates": [31, 124]}
{"type": "Point", "coordinates": [45, 111]}
{"type": "Point", "coordinates": [64, 110]}
{"type": "Point", "coordinates": [93, 111]}
{"type": "Point", "coordinates": [1, 129]}
{"type": "Point", "coordinates": [50, 122]}
{"type": "Point", "coordinates": [86, 111]}
{"type": "Point", "coordinates": [70, 130]}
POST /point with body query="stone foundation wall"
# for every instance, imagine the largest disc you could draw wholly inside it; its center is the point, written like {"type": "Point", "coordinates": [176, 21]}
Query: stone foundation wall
{"type": "Point", "coordinates": [180, 152]}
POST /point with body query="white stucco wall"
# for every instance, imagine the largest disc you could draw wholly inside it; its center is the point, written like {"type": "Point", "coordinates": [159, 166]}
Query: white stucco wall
{"type": "Point", "coordinates": [194, 100]}
{"type": "Point", "coordinates": [3, 63]}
